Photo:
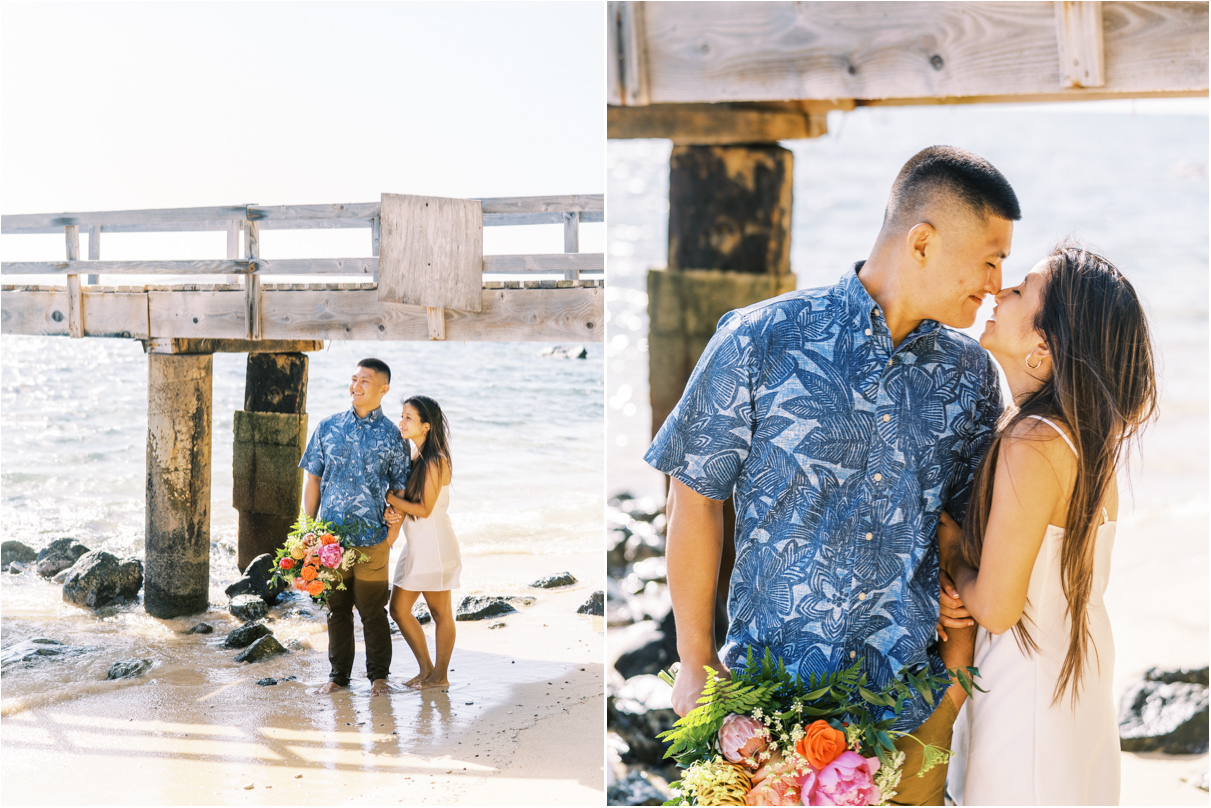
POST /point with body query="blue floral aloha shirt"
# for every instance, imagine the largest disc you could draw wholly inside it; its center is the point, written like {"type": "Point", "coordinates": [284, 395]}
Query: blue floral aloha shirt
{"type": "Point", "coordinates": [357, 460]}
{"type": "Point", "coordinates": [841, 453]}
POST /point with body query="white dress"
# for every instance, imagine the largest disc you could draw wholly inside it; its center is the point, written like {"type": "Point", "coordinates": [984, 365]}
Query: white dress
{"type": "Point", "coordinates": [430, 561]}
{"type": "Point", "coordinates": [1023, 749]}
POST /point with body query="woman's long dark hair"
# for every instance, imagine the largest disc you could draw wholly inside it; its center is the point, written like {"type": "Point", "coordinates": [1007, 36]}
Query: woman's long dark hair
{"type": "Point", "coordinates": [436, 450]}
{"type": "Point", "coordinates": [1103, 388]}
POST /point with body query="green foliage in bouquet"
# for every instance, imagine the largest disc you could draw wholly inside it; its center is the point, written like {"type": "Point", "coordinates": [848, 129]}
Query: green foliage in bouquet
{"type": "Point", "coordinates": [842, 698]}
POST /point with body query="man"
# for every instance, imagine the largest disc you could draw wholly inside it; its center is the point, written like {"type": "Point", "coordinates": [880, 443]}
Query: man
{"type": "Point", "coordinates": [352, 460]}
{"type": "Point", "coordinates": [843, 420]}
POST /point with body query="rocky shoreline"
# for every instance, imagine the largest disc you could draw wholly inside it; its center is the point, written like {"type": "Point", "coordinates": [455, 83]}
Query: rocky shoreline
{"type": "Point", "coordinates": [1165, 711]}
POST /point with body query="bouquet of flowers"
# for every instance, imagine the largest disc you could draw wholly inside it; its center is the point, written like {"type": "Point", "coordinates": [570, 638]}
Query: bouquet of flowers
{"type": "Point", "coordinates": [313, 558]}
{"type": "Point", "coordinates": [765, 737]}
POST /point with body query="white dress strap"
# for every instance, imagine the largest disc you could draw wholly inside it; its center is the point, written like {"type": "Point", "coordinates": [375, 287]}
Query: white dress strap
{"type": "Point", "coordinates": [1051, 424]}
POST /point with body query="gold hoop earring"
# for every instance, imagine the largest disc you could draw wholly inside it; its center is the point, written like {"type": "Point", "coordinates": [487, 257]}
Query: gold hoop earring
{"type": "Point", "coordinates": [1033, 367]}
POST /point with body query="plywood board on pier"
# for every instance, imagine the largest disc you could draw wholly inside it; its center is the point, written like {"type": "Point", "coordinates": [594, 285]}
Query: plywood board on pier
{"type": "Point", "coordinates": [431, 252]}
{"type": "Point", "coordinates": [772, 51]}
{"type": "Point", "coordinates": [45, 312]}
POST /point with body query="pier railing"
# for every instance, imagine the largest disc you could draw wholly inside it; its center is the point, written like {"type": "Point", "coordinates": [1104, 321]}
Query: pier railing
{"type": "Point", "coordinates": [247, 268]}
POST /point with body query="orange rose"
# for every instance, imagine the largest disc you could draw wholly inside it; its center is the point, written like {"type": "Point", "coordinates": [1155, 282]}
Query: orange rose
{"type": "Point", "coordinates": [328, 538]}
{"type": "Point", "coordinates": [821, 744]}
{"type": "Point", "coordinates": [315, 588]}
{"type": "Point", "coordinates": [308, 573]}
{"type": "Point", "coordinates": [300, 584]}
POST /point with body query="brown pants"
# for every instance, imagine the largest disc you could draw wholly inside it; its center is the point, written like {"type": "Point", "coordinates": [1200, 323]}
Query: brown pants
{"type": "Point", "coordinates": [929, 788]}
{"type": "Point", "coordinates": [368, 588]}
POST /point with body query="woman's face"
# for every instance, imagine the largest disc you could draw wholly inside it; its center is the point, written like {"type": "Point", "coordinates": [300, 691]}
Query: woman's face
{"type": "Point", "coordinates": [410, 425]}
{"type": "Point", "coordinates": [1009, 334]}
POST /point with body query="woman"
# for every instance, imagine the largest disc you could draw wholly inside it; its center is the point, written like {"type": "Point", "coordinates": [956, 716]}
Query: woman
{"type": "Point", "coordinates": [430, 563]}
{"type": "Point", "coordinates": [1032, 559]}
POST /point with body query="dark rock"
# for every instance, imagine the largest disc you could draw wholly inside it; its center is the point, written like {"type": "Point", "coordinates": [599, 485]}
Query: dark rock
{"type": "Point", "coordinates": [634, 789]}
{"type": "Point", "coordinates": [646, 649]}
{"type": "Point", "coordinates": [13, 550]}
{"type": "Point", "coordinates": [59, 555]}
{"type": "Point", "coordinates": [259, 579]}
{"type": "Point", "coordinates": [32, 649]}
{"type": "Point", "coordinates": [246, 635]}
{"type": "Point", "coordinates": [99, 578]}
{"type": "Point", "coordinates": [496, 625]}
{"type": "Point", "coordinates": [565, 352]}
{"type": "Point", "coordinates": [248, 607]}
{"type": "Point", "coordinates": [200, 628]}
{"type": "Point", "coordinates": [481, 607]}
{"type": "Point", "coordinates": [128, 669]}
{"type": "Point", "coordinates": [639, 711]}
{"type": "Point", "coordinates": [1159, 716]}
{"type": "Point", "coordinates": [267, 682]}
{"type": "Point", "coordinates": [61, 576]}
{"type": "Point", "coordinates": [1196, 676]}
{"type": "Point", "coordinates": [594, 605]}
{"type": "Point", "coordinates": [521, 600]}
{"type": "Point", "coordinates": [262, 649]}
{"type": "Point", "coordinates": [17, 567]}
{"type": "Point", "coordinates": [552, 581]}
{"type": "Point", "coordinates": [421, 612]}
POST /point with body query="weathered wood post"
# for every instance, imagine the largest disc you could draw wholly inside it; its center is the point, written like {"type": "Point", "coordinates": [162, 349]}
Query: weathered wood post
{"type": "Point", "coordinates": [176, 578]}
{"type": "Point", "coordinates": [729, 246]}
{"type": "Point", "coordinates": [270, 436]}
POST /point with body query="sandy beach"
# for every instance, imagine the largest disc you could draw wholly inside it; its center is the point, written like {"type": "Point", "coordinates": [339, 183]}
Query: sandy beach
{"type": "Point", "coordinates": [521, 724]}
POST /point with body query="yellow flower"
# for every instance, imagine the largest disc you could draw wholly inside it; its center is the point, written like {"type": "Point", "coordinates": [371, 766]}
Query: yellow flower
{"type": "Point", "coordinates": [298, 551]}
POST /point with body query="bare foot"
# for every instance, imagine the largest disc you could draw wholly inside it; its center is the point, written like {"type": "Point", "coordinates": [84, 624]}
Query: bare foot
{"type": "Point", "coordinates": [330, 687]}
{"type": "Point", "coordinates": [434, 682]}
{"type": "Point", "coordinates": [379, 687]}
{"type": "Point", "coordinates": [416, 680]}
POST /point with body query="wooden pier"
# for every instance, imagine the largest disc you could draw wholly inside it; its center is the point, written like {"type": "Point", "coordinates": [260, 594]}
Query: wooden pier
{"type": "Point", "coordinates": [425, 278]}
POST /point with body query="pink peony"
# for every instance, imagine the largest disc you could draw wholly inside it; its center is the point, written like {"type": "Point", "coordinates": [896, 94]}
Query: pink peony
{"type": "Point", "coordinates": [330, 555]}
{"type": "Point", "coordinates": [741, 737]}
{"type": "Point", "coordinates": [775, 783]}
{"type": "Point", "coordinates": [848, 780]}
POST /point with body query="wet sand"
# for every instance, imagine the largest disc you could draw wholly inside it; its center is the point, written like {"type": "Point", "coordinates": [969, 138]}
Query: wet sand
{"type": "Point", "coordinates": [522, 722]}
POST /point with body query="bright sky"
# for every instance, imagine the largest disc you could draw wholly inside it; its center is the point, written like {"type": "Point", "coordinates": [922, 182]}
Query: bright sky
{"type": "Point", "coordinates": [111, 106]}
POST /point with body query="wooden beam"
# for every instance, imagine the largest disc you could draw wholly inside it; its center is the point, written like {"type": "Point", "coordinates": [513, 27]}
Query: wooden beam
{"type": "Point", "coordinates": [436, 318]}
{"type": "Point", "coordinates": [715, 124]}
{"type": "Point", "coordinates": [75, 304]}
{"type": "Point", "coordinates": [1078, 28]}
{"type": "Point", "coordinates": [543, 204]}
{"type": "Point", "coordinates": [43, 312]}
{"type": "Point", "coordinates": [121, 217]}
{"type": "Point", "coordinates": [174, 345]}
{"type": "Point", "coordinates": [233, 247]}
{"type": "Point", "coordinates": [704, 52]}
{"type": "Point", "coordinates": [298, 213]}
{"type": "Point", "coordinates": [632, 55]}
{"type": "Point", "coordinates": [613, 53]}
{"type": "Point", "coordinates": [376, 238]}
{"type": "Point", "coordinates": [252, 284]}
{"type": "Point", "coordinates": [550, 262]}
{"type": "Point", "coordinates": [94, 250]}
{"type": "Point", "coordinates": [571, 241]}
{"type": "Point", "coordinates": [204, 267]}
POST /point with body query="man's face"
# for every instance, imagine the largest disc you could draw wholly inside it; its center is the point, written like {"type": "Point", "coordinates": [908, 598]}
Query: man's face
{"type": "Point", "coordinates": [366, 389]}
{"type": "Point", "coordinates": [965, 265]}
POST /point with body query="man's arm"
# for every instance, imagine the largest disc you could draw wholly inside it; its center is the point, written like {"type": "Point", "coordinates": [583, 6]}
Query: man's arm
{"type": "Point", "coordinates": [311, 494]}
{"type": "Point", "coordinates": [694, 545]}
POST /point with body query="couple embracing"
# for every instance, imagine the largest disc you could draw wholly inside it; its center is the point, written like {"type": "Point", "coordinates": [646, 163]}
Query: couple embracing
{"type": "Point", "coordinates": [372, 477]}
{"type": "Point", "coordinates": [891, 510]}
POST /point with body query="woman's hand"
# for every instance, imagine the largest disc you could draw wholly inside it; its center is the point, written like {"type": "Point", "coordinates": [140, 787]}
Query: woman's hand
{"type": "Point", "coordinates": [951, 613]}
{"type": "Point", "coordinates": [392, 517]}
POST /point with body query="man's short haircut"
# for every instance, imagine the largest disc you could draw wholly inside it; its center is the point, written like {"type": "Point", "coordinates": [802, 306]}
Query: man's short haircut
{"type": "Point", "coordinates": [377, 365]}
{"type": "Point", "coordinates": [941, 174]}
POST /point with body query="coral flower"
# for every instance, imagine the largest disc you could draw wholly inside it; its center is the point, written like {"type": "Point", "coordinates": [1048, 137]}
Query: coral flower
{"type": "Point", "coordinates": [741, 737]}
{"type": "Point", "coordinates": [821, 744]}
{"type": "Point", "coordinates": [315, 588]}
{"type": "Point", "coordinates": [286, 563]}
{"type": "Point", "coordinates": [308, 574]}
{"type": "Point", "coordinates": [328, 538]}
{"type": "Point", "coordinates": [300, 584]}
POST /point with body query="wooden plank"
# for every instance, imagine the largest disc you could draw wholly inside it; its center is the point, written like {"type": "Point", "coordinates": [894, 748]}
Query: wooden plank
{"type": "Point", "coordinates": [508, 315]}
{"type": "Point", "coordinates": [432, 252]}
{"type": "Point", "coordinates": [633, 54]}
{"type": "Point", "coordinates": [43, 312]}
{"type": "Point", "coordinates": [317, 266]}
{"type": "Point", "coordinates": [715, 124]}
{"type": "Point", "coordinates": [1079, 33]}
{"type": "Point", "coordinates": [204, 267]}
{"type": "Point", "coordinates": [252, 284]}
{"type": "Point", "coordinates": [75, 303]}
{"type": "Point", "coordinates": [173, 345]}
{"type": "Point", "coordinates": [767, 51]}
{"type": "Point", "coordinates": [550, 262]}
{"type": "Point", "coordinates": [613, 52]}
{"type": "Point", "coordinates": [549, 217]}
{"type": "Point", "coordinates": [543, 204]}
{"type": "Point", "coordinates": [376, 238]}
{"type": "Point", "coordinates": [571, 241]}
{"type": "Point", "coordinates": [94, 250]}
{"type": "Point", "coordinates": [120, 217]}
{"type": "Point", "coordinates": [436, 317]}
{"type": "Point", "coordinates": [233, 247]}
{"type": "Point", "coordinates": [296, 213]}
